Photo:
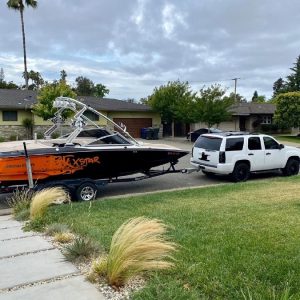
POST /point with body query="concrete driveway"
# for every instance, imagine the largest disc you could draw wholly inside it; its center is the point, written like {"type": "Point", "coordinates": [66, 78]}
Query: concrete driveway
{"type": "Point", "coordinates": [165, 182]}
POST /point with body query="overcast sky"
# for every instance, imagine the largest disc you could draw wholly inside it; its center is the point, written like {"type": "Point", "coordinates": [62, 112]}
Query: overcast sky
{"type": "Point", "coordinates": [132, 46]}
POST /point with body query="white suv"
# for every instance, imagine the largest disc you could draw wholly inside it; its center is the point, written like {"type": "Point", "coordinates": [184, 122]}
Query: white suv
{"type": "Point", "coordinates": [238, 154]}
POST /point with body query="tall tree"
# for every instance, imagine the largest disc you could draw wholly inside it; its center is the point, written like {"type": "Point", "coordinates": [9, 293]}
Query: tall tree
{"type": "Point", "coordinates": [235, 98]}
{"type": "Point", "coordinates": [278, 87]}
{"type": "Point", "coordinates": [211, 106]}
{"type": "Point", "coordinates": [85, 86]}
{"type": "Point", "coordinates": [36, 78]}
{"type": "Point", "coordinates": [100, 90]}
{"type": "Point", "coordinates": [287, 112]}
{"type": "Point", "coordinates": [174, 102]}
{"type": "Point", "coordinates": [63, 75]}
{"type": "Point", "coordinates": [47, 94]}
{"type": "Point", "coordinates": [293, 80]}
{"type": "Point", "coordinates": [255, 95]}
{"type": "Point", "coordinates": [20, 6]}
{"type": "Point", "coordinates": [2, 77]}
{"type": "Point", "coordinates": [258, 98]}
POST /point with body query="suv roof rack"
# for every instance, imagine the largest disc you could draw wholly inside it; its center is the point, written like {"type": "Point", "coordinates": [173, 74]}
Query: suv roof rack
{"type": "Point", "coordinates": [234, 133]}
{"type": "Point", "coordinates": [229, 133]}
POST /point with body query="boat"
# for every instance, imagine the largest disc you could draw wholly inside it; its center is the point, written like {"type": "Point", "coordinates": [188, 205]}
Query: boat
{"type": "Point", "coordinates": [89, 151]}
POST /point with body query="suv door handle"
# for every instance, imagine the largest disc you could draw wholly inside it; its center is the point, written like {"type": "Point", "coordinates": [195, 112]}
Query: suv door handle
{"type": "Point", "coordinates": [268, 153]}
{"type": "Point", "coordinates": [250, 154]}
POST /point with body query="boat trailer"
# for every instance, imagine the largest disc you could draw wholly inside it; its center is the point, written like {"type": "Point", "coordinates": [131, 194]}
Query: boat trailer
{"type": "Point", "coordinates": [86, 189]}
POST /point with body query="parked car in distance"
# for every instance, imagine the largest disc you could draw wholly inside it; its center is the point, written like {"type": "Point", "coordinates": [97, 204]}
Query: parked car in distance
{"type": "Point", "coordinates": [193, 135]}
{"type": "Point", "coordinates": [238, 154]}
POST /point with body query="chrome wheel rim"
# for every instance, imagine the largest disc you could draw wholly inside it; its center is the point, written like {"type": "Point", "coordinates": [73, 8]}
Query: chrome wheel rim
{"type": "Point", "coordinates": [87, 193]}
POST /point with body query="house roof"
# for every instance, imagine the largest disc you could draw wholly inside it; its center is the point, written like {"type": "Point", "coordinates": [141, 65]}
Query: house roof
{"type": "Point", "coordinates": [247, 109]}
{"type": "Point", "coordinates": [23, 99]}
{"type": "Point", "coordinates": [17, 99]}
{"type": "Point", "coordinates": [108, 104]}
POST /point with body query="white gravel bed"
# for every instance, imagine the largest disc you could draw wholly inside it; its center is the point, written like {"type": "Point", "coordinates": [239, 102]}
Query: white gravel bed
{"type": "Point", "coordinates": [109, 292]}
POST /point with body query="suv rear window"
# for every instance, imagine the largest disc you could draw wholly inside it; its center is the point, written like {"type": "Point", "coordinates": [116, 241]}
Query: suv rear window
{"type": "Point", "coordinates": [234, 144]}
{"type": "Point", "coordinates": [209, 143]}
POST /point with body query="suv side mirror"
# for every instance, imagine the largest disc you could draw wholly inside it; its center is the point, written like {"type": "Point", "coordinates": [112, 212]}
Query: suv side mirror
{"type": "Point", "coordinates": [281, 146]}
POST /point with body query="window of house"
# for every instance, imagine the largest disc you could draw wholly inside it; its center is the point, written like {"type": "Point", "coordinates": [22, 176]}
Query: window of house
{"type": "Point", "coordinates": [10, 115]}
{"type": "Point", "coordinates": [234, 144]}
{"type": "Point", "coordinates": [254, 143]}
{"type": "Point", "coordinates": [92, 116]}
{"type": "Point", "coordinates": [266, 120]}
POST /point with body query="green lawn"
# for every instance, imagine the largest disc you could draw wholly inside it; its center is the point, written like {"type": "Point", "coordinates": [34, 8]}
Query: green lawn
{"type": "Point", "coordinates": [288, 138]}
{"type": "Point", "coordinates": [235, 239]}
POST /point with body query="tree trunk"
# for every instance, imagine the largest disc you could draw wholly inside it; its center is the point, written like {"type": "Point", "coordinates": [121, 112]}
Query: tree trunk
{"type": "Point", "coordinates": [24, 49]}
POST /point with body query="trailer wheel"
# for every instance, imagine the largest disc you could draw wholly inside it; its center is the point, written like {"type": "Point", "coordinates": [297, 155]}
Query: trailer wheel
{"type": "Point", "coordinates": [86, 192]}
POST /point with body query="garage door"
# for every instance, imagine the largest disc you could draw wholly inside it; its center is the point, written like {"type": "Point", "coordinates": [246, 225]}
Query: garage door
{"type": "Point", "coordinates": [134, 125]}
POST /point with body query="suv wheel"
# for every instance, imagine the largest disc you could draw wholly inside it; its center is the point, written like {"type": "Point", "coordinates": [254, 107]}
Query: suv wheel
{"type": "Point", "coordinates": [240, 172]}
{"type": "Point", "coordinates": [291, 167]}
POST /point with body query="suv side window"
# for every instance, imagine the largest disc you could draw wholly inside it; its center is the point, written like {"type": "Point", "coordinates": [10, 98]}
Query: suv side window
{"type": "Point", "coordinates": [254, 143]}
{"type": "Point", "coordinates": [234, 144]}
{"type": "Point", "coordinates": [270, 143]}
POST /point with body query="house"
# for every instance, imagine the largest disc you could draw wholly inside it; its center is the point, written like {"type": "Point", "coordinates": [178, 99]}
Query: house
{"type": "Point", "coordinates": [15, 107]}
{"type": "Point", "coordinates": [246, 116]}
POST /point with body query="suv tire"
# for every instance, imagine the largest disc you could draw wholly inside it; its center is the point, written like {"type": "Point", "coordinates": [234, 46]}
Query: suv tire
{"type": "Point", "coordinates": [291, 167]}
{"type": "Point", "coordinates": [241, 172]}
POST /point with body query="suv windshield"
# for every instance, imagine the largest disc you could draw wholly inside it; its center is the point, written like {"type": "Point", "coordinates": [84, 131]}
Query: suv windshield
{"type": "Point", "coordinates": [209, 143]}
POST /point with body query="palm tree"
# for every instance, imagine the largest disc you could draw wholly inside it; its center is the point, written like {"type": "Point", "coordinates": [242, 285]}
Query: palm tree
{"type": "Point", "coordinates": [20, 6]}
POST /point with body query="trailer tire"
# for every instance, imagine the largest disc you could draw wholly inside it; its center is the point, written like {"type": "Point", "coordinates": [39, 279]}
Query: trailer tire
{"type": "Point", "coordinates": [86, 192]}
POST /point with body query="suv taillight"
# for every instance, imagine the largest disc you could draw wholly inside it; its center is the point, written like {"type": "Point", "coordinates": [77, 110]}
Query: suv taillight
{"type": "Point", "coordinates": [222, 157]}
{"type": "Point", "coordinates": [192, 151]}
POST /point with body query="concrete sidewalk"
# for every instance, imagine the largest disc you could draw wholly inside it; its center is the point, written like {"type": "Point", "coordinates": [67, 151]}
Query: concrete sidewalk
{"type": "Point", "coordinates": [31, 268]}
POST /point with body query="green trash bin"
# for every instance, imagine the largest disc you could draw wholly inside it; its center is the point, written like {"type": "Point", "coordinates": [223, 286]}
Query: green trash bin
{"type": "Point", "coordinates": [149, 133]}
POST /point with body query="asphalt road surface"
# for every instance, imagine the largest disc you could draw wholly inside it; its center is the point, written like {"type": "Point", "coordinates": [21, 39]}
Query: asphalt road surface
{"type": "Point", "coordinates": [160, 183]}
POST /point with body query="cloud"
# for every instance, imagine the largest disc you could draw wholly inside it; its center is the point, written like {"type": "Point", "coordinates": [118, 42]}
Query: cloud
{"type": "Point", "coordinates": [134, 45]}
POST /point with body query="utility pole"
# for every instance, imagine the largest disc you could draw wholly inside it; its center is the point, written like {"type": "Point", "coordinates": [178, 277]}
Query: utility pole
{"type": "Point", "coordinates": [235, 84]}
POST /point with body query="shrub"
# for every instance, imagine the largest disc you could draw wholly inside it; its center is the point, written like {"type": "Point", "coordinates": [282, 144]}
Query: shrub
{"type": "Point", "coordinates": [20, 203]}
{"type": "Point", "coordinates": [99, 265]}
{"type": "Point", "coordinates": [2, 139]}
{"type": "Point", "coordinates": [55, 135]}
{"type": "Point", "coordinates": [39, 135]}
{"type": "Point", "coordinates": [12, 137]}
{"type": "Point", "coordinates": [63, 237]}
{"type": "Point", "coordinates": [138, 245]}
{"type": "Point", "coordinates": [80, 248]}
{"type": "Point", "coordinates": [269, 128]}
{"type": "Point", "coordinates": [55, 228]}
{"type": "Point", "coordinates": [44, 198]}
{"type": "Point", "coordinates": [23, 215]}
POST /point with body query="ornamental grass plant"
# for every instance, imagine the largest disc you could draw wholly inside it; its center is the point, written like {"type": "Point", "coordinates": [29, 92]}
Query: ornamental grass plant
{"type": "Point", "coordinates": [80, 249]}
{"type": "Point", "coordinates": [20, 203]}
{"type": "Point", "coordinates": [42, 199]}
{"type": "Point", "coordinates": [138, 245]}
